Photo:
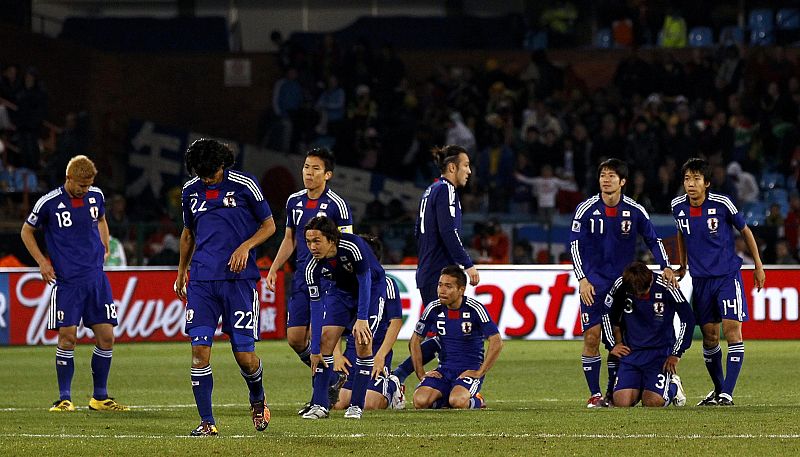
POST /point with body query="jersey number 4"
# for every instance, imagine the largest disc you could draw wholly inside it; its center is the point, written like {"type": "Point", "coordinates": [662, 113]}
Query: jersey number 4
{"type": "Point", "coordinates": [683, 225]}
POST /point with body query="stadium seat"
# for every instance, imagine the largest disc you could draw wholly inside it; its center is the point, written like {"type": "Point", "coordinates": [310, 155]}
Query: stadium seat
{"type": "Point", "coordinates": [756, 213]}
{"type": "Point", "coordinates": [777, 195]}
{"type": "Point", "coordinates": [603, 39]}
{"type": "Point", "coordinates": [788, 19]}
{"type": "Point", "coordinates": [535, 40]}
{"type": "Point", "coordinates": [771, 180]}
{"type": "Point", "coordinates": [731, 34]}
{"type": "Point", "coordinates": [701, 37]}
{"type": "Point", "coordinates": [762, 37]}
{"type": "Point", "coordinates": [762, 27]}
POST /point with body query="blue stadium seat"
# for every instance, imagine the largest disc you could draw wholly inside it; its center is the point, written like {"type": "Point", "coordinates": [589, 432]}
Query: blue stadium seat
{"type": "Point", "coordinates": [603, 39]}
{"type": "Point", "coordinates": [771, 180]}
{"type": "Point", "coordinates": [701, 37]}
{"type": "Point", "coordinates": [756, 213]}
{"type": "Point", "coordinates": [762, 37]}
{"type": "Point", "coordinates": [761, 19]}
{"type": "Point", "coordinates": [777, 196]}
{"type": "Point", "coordinates": [788, 19]}
{"type": "Point", "coordinates": [732, 34]}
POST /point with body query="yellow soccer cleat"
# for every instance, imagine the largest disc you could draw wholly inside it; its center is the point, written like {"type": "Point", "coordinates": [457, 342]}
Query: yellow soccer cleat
{"type": "Point", "coordinates": [106, 405]}
{"type": "Point", "coordinates": [62, 406]}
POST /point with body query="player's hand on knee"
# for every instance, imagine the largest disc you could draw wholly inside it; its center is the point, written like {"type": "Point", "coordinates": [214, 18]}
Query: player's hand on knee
{"type": "Point", "coordinates": [470, 374]}
{"type": "Point", "coordinates": [341, 363]}
{"type": "Point", "coordinates": [671, 364]}
{"type": "Point", "coordinates": [377, 368]}
{"type": "Point", "coordinates": [587, 291]}
{"type": "Point", "coordinates": [433, 374]}
{"type": "Point", "coordinates": [361, 332]}
{"type": "Point", "coordinates": [316, 360]}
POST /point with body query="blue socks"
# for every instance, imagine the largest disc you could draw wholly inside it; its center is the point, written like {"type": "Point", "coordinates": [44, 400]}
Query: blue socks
{"type": "Point", "coordinates": [202, 385]}
{"type": "Point", "coordinates": [254, 383]}
{"type": "Point", "coordinates": [612, 363]}
{"type": "Point", "coordinates": [322, 382]}
{"type": "Point", "coordinates": [591, 369]}
{"type": "Point", "coordinates": [713, 359]}
{"type": "Point", "coordinates": [475, 402]}
{"type": "Point", "coordinates": [733, 367]}
{"type": "Point", "coordinates": [430, 348]}
{"type": "Point", "coordinates": [101, 365]}
{"type": "Point", "coordinates": [305, 355]}
{"type": "Point", "coordinates": [363, 371]}
{"type": "Point", "coordinates": [65, 368]}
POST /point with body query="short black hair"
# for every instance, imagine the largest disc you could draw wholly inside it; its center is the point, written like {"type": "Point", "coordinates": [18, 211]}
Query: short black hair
{"type": "Point", "coordinates": [205, 156]}
{"type": "Point", "coordinates": [617, 166]}
{"type": "Point", "coordinates": [374, 243]}
{"type": "Point", "coordinates": [325, 225]}
{"type": "Point", "coordinates": [637, 277]}
{"type": "Point", "coordinates": [446, 155]}
{"type": "Point", "coordinates": [456, 272]}
{"type": "Point", "coordinates": [326, 155]}
{"type": "Point", "coordinates": [697, 165]}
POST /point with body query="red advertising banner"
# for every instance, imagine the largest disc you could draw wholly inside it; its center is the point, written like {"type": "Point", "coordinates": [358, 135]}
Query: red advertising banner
{"type": "Point", "coordinates": [147, 307]}
{"type": "Point", "coordinates": [774, 311]}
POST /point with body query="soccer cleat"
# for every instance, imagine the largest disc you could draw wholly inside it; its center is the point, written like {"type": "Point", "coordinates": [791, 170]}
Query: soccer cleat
{"type": "Point", "coordinates": [304, 409]}
{"type": "Point", "coordinates": [205, 429]}
{"type": "Point", "coordinates": [353, 412]}
{"type": "Point", "coordinates": [316, 412]}
{"type": "Point", "coordinates": [106, 405]}
{"type": "Point", "coordinates": [609, 398]}
{"type": "Point", "coordinates": [260, 413]}
{"type": "Point", "coordinates": [596, 401]}
{"type": "Point", "coordinates": [333, 391]}
{"type": "Point", "coordinates": [483, 400]}
{"type": "Point", "coordinates": [724, 400]}
{"type": "Point", "coordinates": [398, 400]}
{"type": "Point", "coordinates": [680, 395]}
{"type": "Point", "coordinates": [710, 400]}
{"type": "Point", "coordinates": [62, 406]}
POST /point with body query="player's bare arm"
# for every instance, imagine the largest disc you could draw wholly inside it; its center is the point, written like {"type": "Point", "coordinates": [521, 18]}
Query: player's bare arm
{"type": "Point", "coordinates": [187, 246]}
{"type": "Point", "coordinates": [388, 342]}
{"type": "Point", "coordinates": [759, 277]}
{"type": "Point", "coordinates": [45, 267]}
{"type": "Point", "coordinates": [619, 349]}
{"type": "Point", "coordinates": [285, 251]}
{"type": "Point", "coordinates": [105, 236]}
{"type": "Point", "coordinates": [492, 353]}
{"type": "Point", "coordinates": [415, 348]}
{"type": "Point", "coordinates": [238, 260]}
{"type": "Point", "coordinates": [586, 290]}
{"type": "Point", "coordinates": [682, 256]}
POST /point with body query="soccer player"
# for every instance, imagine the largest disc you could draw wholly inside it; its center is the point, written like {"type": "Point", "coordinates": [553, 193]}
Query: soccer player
{"type": "Point", "coordinates": [602, 242]}
{"type": "Point", "coordinates": [706, 241]}
{"type": "Point", "coordinates": [76, 234]}
{"type": "Point", "coordinates": [438, 242]}
{"type": "Point", "coordinates": [354, 301]}
{"type": "Point", "coordinates": [383, 391]}
{"type": "Point", "coordinates": [462, 324]}
{"type": "Point", "coordinates": [642, 307]}
{"type": "Point", "coordinates": [316, 199]}
{"type": "Point", "coordinates": [225, 217]}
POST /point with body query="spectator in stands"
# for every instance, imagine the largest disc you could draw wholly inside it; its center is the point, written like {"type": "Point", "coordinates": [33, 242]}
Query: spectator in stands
{"type": "Point", "coordinates": [459, 134]}
{"type": "Point", "coordinates": [673, 31]}
{"type": "Point", "coordinates": [287, 98]}
{"type": "Point", "coordinates": [545, 188]}
{"type": "Point", "coordinates": [638, 191]}
{"type": "Point", "coordinates": [782, 254]}
{"type": "Point", "coordinates": [721, 182]}
{"type": "Point", "coordinates": [31, 113]}
{"type": "Point", "coordinates": [775, 218]}
{"type": "Point", "coordinates": [331, 106]}
{"type": "Point", "coordinates": [791, 224]}
{"type": "Point", "coordinates": [522, 253]}
{"type": "Point", "coordinates": [746, 186]}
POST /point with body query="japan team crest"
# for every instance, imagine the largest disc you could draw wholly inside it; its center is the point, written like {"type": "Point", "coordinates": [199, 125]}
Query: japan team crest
{"type": "Point", "coordinates": [466, 327]}
{"type": "Point", "coordinates": [626, 226]}
{"type": "Point", "coordinates": [189, 315]}
{"type": "Point", "coordinates": [658, 308]}
{"type": "Point", "coordinates": [94, 212]}
{"type": "Point", "coordinates": [713, 224]}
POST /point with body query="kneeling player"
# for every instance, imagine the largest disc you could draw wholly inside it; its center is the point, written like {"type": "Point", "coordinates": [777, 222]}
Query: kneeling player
{"type": "Point", "coordinates": [643, 307]}
{"type": "Point", "coordinates": [462, 324]}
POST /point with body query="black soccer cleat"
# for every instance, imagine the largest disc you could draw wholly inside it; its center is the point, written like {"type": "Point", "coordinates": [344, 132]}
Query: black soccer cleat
{"type": "Point", "coordinates": [333, 391]}
{"type": "Point", "coordinates": [710, 400]}
{"type": "Point", "coordinates": [205, 429]}
{"type": "Point", "coordinates": [724, 400]}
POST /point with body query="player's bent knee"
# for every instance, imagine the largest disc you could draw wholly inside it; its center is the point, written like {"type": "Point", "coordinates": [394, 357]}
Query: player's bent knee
{"type": "Point", "coordinates": [459, 402]}
{"type": "Point", "coordinates": [375, 400]}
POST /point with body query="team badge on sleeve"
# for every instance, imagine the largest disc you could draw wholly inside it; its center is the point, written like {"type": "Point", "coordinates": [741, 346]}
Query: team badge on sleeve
{"type": "Point", "coordinates": [33, 219]}
{"type": "Point", "coordinates": [420, 327]}
{"type": "Point", "coordinates": [576, 226]}
{"type": "Point", "coordinates": [313, 291]}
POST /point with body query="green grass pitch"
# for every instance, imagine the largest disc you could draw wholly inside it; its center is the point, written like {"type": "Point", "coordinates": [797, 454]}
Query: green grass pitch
{"type": "Point", "coordinates": [535, 394]}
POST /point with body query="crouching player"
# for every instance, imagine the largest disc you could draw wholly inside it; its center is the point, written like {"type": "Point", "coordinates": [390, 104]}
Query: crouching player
{"type": "Point", "coordinates": [353, 302]}
{"type": "Point", "coordinates": [643, 306]}
{"type": "Point", "coordinates": [383, 391]}
{"type": "Point", "coordinates": [462, 324]}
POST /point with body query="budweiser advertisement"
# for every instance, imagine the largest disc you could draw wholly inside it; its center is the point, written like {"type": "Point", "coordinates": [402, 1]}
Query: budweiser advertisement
{"type": "Point", "coordinates": [542, 303]}
{"type": "Point", "coordinates": [147, 308]}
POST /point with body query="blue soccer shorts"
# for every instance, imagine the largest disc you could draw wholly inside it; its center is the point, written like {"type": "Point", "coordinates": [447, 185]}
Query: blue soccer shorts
{"type": "Point", "coordinates": [593, 315]}
{"type": "Point", "coordinates": [375, 385]}
{"type": "Point", "coordinates": [235, 300]}
{"type": "Point", "coordinates": [341, 309]}
{"type": "Point", "coordinates": [89, 299]}
{"type": "Point", "coordinates": [450, 381]}
{"type": "Point", "coordinates": [298, 309]}
{"type": "Point", "coordinates": [714, 299]}
{"type": "Point", "coordinates": [643, 370]}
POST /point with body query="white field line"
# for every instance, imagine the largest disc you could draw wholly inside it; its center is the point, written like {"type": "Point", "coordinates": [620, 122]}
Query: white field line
{"type": "Point", "coordinates": [612, 436]}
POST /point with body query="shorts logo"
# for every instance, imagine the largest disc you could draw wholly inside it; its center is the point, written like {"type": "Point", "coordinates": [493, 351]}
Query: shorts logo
{"type": "Point", "coordinates": [576, 226]}
{"type": "Point", "coordinates": [60, 316]}
{"type": "Point", "coordinates": [713, 224]}
{"type": "Point", "coordinates": [466, 327]}
{"type": "Point", "coordinates": [189, 315]}
{"type": "Point", "coordinates": [626, 226]}
{"type": "Point", "coordinates": [313, 291]}
{"type": "Point", "coordinates": [94, 212]}
{"type": "Point", "coordinates": [585, 318]}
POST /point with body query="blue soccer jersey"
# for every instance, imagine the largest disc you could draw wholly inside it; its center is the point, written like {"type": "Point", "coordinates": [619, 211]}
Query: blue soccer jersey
{"type": "Point", "coordinates": [222, 217]}
{"type": "Point", "coordinates": [708, 233]}
{"type": "Point", "coordinates": [71, 232]}
{"type": "Point", "coordinates": [461, 332]}
{"type": "Point", "coordinates": [603, 239]}
{"type": "Point", "coordinates": [354, 274]}
{"type": "Point", "coordinates": [300, 209]}
{"type": "Point", "coordinates": [436, 230]}
{"type": "Point", "coordinates": [647, 321]}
